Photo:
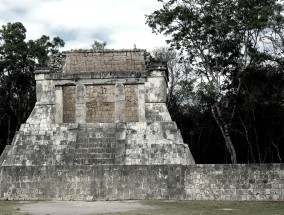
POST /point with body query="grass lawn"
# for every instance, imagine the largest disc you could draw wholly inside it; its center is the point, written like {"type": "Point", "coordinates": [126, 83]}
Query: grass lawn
{"type": "Point", "coordinates": [11, 207]}
{"type": "Point", "coordinates": [209, 208]}
{"type": "Point", "coordinates": [163, 207]}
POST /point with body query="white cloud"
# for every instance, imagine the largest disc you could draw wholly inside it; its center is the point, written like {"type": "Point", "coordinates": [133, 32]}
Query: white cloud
{"type": "Point", "coordinates": [120, 22]}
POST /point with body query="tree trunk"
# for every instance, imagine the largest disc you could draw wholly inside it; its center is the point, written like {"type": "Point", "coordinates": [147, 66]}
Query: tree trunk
{"type": "Point", "coordinates": [248, 141]}
{"type": "Point", "coordinates": [19, 110]}
{"type": "Point", "coordinates": [8, 130]}
{"type": "Point", "coordinates": [225, 132]}
{"type": "Point", "coordinates": [9, 111]}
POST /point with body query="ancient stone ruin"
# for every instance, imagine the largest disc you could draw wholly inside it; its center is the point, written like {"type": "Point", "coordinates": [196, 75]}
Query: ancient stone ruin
{"type": "Point", "coordinates": [100, 129]}
{"type": "Point", "coordinates": [97, 108]}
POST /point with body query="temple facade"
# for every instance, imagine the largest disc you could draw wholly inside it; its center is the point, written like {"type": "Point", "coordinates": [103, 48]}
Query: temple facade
{"type": "Point", "coordinates": [96, 108]}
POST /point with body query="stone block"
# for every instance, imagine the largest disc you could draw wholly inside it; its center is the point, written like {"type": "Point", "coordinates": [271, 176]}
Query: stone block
{"type": "Point", "coordinates": [107, 75]}
{"type": "Point", "coordinates": [96, 75]}
{"type": "Point", "coordinates": [156, 112]}
{"type": "Point", "coordinates": [156, 90]}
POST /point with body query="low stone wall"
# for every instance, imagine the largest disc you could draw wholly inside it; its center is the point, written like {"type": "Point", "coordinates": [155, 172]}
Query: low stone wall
{"type": "Point", "coordinates": [235, 182]}
{"type": "Point", "coordinates": [118, 182]}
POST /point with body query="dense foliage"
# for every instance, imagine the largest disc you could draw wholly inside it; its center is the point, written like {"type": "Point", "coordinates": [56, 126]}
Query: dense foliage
{"type": "Point", "coordinates": [98, 46]}
{"type": "Point", "coordinates": [234, 49]}
{"type": "Point", "coordinates": [18, 58]}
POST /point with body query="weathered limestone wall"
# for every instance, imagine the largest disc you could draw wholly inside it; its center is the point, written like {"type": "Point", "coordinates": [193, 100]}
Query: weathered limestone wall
{"type": "Point", "coordinates": [131, 103]}
{"type": "Point", "coordinates": [235, 182]}
{"type": "Point", "coordinates": [100, 103]}
{"type": "Point", "coordinates": [103, 96]}
{"type": "Point", "coordinates": [113, 182]}
{"type": "Point", "coordinates": [155, 143]}
{"type": "Point", "coordinates": [117, 86]}
{"type": "Point", "coordinates": [104, 61]}
{"type": "Point", "coordinates": [69, 101]}
{"type": "Point", "coordinates": [40, 144]}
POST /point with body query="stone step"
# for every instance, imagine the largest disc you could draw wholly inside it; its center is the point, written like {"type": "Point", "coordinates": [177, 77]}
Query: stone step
{"type": "Point", "coordinates": [95, 150]}
{"type": "Point", "coordinates": [89, 161]}
{"type": "Point", "coordinates": [95, 156]}
{"type": "Point", "coordinates": [102, 141]}
{"type": "Point", "coordinates": [95, 145]}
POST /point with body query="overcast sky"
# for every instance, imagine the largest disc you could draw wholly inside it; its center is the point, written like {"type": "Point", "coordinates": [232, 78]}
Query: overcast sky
{"type": "Point", "coordinates": [121, 23]}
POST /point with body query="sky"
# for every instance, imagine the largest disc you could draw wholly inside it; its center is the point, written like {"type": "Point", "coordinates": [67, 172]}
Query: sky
{"type": "Point", "coordinates": [121, 23]}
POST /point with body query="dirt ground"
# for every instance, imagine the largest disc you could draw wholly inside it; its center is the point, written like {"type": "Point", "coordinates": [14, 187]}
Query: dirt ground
{"type": "Point", "coordinates": [80, 208]}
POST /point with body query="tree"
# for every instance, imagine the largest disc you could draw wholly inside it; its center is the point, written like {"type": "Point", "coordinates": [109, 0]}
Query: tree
{"type": "Point", "coordinates": [98, 46]}
{"type": "Point", "coordinates": [260, 115]}
{"type": "Point", "coordinates": [42, 48]}
{"type": "Point", "coordinates": [17, 86]}
{"type": "Point", "coordinates": [181, 80]}
{"type": "Point", "coordinates": [224, 40]}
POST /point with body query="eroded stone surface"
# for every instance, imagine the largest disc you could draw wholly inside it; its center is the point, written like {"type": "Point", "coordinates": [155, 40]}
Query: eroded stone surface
{"type": "Point", "coordinates": [124, 182]}
{"type": "Point", "coordinates": [96, 108]}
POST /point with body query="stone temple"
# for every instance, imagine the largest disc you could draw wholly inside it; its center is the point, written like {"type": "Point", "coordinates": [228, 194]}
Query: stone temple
{"type": "Point", "coordinates": [96, 108]}
{"type": "Point", "coordinates": [100, 130]}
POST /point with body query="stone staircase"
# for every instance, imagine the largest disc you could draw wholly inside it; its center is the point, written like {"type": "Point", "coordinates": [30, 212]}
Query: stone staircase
{"type": "Point", "coordinates": [96, 144]}
{"type": "Point", "coordinates": [66, 144]}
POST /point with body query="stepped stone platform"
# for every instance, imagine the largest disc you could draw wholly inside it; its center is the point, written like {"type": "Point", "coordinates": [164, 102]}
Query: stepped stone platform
{"type": "Point", "coordinates": [96, 144]}
{"type": "Point", "coordinates": [100, 130]}
{"type": "Point", "coordinates": [97, 108]}
{"type": "Point", "coordinates": [93, 109]}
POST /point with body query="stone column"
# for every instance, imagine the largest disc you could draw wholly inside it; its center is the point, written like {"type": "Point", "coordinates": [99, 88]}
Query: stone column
{"type": "Point", "coordinates": [119, 103]}
{"type": "Point", "coordinates": [156, 95]}
{"type": "Point", "coordinates": [58, 104]}
{"type": "Point", "coordinates": [141, 103]}
{"type": "Point", "coordinates": [80, 103]}
{"type": "Point", "coordinates": [44, 109]}
{"type": "Point", "coordinates": [44, 88]}
{"type": "Point", "coordinates": [156, 87]}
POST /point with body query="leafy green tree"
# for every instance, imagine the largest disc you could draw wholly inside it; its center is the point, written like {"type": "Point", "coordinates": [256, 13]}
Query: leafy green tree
{"type": "Point", "coordinates": [18, 58]}
{"type": "Point", "coordinates": [98, 46]}
{"type": "Point", "coordinates": [42, 48]}
{"type": "Point", "coordinates": [224, 40]}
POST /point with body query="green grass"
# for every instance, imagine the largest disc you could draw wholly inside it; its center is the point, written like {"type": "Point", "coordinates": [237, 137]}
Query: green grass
{"type": "Point", "coordinates": [11, 207]}
{"type": "Point", "coordinates": [209, 208]}
{"type": "Point", "coordinates": [162, 207]}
